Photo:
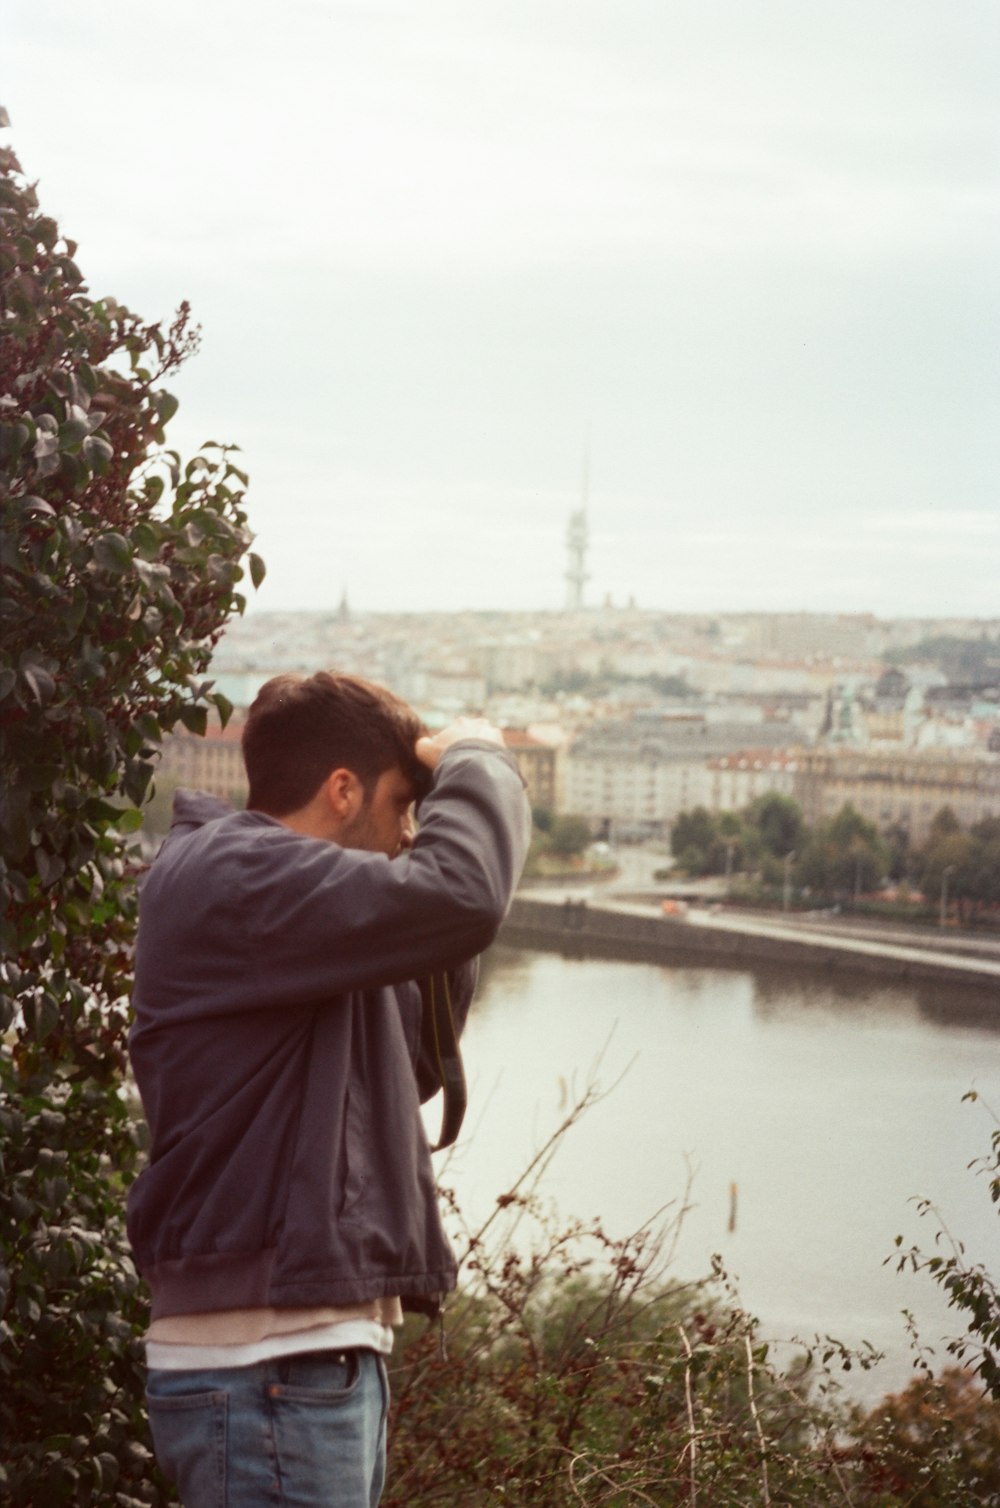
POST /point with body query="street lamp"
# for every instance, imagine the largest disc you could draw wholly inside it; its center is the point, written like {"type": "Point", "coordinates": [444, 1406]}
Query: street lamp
{"type": "Point", "coordinates": [787, 888]}
{"type": "Point", "coordinates": [730, 845]}
{"type": "Point", "coordinates": [948, 869]}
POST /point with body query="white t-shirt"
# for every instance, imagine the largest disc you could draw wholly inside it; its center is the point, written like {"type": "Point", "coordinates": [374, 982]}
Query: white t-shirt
{"type": "Point", "coordinates": [241, 1337]}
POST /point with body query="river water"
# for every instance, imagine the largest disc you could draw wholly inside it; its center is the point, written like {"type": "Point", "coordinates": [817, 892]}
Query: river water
{"type": "Point", "coordinates": [831, 1106]}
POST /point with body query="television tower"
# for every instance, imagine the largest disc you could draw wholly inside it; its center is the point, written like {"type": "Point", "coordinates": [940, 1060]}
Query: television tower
{"type": "Point", "coordinates": [577, 539]}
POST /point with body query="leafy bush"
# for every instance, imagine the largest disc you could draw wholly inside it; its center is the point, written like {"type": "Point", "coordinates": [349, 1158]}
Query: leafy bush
{"type": "Point", "coordinates": [121, 566]}
{"type": "Point", "coordinates": [758, 838]}
{"type": "Point", "coordinates": [558, 843]}
{"type": "Point", "coordinates": [964, 866]}
{"type": "Point", "coordinates": [972, 1289]}
{"type": "Point", "coordinates": [575, 1373]}
{"type": "Point", "coordinates": [568, 836]}
{"type": "Point", "coordinates": [573, 1370]}
{"type": "Point", "coordinates": [934, 1445]}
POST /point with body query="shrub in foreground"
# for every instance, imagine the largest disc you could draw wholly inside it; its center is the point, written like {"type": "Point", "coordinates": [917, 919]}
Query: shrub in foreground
{"type": "Point", "coordinates": [572, 1369]}
{"type": "Point", "coordinates": [121, 566]}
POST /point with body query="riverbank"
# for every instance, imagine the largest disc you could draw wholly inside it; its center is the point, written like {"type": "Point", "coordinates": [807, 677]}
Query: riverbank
{"type": "Point", "coordinates": [632, 929]}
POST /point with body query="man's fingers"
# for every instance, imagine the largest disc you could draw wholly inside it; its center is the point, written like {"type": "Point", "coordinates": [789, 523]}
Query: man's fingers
{"type": "Point", "coordinates": [429, 750]}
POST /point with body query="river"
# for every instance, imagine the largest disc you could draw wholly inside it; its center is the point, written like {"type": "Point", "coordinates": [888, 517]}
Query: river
{"type": "Point", "coordinates": [831, 1105]}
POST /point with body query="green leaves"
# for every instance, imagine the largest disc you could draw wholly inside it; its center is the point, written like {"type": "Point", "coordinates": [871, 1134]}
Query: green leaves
{"type": "Point", "coordinates": [70, 1368]}
{"type": "Point", "coordinates": [121, 564]}
{"type": "Point", "coordinates": [136, 776]}
{"type": "Point", "coordinates": [166, 406]}
{"type": "Point", "coordinates": [195, 719]}
{"type": "Point", "coordinates": [972, 1289]}
{"type": "Point", "coordinates": [41, 1014]}
{"type": "Point", "coordinates": [35, 676]}
{"type": "Point", "coordinates": [112, 553]}
{"type": "Point", "coordinates": [13, 438]}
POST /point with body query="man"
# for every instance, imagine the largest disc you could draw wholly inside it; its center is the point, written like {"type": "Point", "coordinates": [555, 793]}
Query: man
{"type": "Point", "coordinates": [287, 1215]}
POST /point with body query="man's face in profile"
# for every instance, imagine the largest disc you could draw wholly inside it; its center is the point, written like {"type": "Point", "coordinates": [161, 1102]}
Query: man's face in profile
{"type": "Point", "coordinates": [385, 821]}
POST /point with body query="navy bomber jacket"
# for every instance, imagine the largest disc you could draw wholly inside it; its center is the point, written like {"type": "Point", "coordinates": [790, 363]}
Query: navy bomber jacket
{"type": "Point", "coordinates": [276, 1045]}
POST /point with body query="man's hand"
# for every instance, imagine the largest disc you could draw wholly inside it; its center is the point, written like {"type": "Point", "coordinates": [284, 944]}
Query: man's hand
{"type": "Point", "coordinates": [429, 750]}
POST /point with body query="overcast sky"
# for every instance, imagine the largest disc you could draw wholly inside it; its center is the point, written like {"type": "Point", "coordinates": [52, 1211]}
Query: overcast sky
{"type": "Point", "coordinates": [746, 252]}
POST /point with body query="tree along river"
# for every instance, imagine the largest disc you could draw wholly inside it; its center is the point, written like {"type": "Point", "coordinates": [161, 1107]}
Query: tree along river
{"type": "Point", "coordinates": [832, 1105]}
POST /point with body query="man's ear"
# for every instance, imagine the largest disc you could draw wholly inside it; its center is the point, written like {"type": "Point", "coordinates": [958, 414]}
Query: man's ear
{"type": "Point", "coordinates": [344, 794]}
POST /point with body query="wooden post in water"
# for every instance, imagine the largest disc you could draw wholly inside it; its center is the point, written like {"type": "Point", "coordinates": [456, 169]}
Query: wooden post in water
{"type": "Point", "coordinates": [733, 1191]}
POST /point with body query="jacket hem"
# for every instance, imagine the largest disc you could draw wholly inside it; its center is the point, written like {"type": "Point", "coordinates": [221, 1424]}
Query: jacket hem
{"type": "Point", "coordinates": [246, 1280]}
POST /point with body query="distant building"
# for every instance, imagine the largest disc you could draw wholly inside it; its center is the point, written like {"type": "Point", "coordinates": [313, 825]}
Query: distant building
{"type": "Point", "coordinates": [804, 635]}
{"type": "Point", "coordinates": [213, 763]}
{"type": "Point", "coordinates": [453, 691]}
{"type": "Point", "coordinates": [721, 673]}
{"type": "Point", "coordinates": [507, 665]}
{"type": "Point", "coordinates": [885, 712]}
{"type": "Point", "coordinates": [734, 780]}
{"type": "Point", "coordinates": [904, 788]}
{"type": "Point", "coordinates": [635, 777]}
{"type": "Point", "coordinates": [843, 723]}
{"type": "Point", "coordinates": [538, 764]}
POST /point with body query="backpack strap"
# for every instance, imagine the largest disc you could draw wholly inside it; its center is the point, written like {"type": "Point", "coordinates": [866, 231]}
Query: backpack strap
{"type": "Point", "coordinates": [440, 1040]}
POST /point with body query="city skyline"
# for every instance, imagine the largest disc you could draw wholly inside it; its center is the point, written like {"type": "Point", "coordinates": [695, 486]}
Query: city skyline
{"type": "Point", "coordinates": [744, 257]}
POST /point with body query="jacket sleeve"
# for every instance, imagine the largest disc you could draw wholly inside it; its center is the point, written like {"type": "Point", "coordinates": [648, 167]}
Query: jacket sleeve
{"type": "Point", "coordinates": [285, 919]}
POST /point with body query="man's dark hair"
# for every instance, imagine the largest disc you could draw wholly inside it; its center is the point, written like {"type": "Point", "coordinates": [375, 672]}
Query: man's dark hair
{"type": "Point", "coordinates": [299, 730]}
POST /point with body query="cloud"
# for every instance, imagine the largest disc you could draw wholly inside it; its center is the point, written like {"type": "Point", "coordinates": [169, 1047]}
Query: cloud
{"type": "Point", "coordinates": [750, 248]}
{"type": "Point", "coordinates": [958, 524]}
{"type": "Point", "coordinates": [400, 135]}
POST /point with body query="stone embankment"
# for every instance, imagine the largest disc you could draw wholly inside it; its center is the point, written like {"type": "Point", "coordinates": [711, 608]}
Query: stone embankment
{"type": "Point", "coordinates": [632, 930]}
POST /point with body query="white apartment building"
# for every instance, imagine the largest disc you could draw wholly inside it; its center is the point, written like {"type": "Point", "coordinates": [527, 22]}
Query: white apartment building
{"type": "Point", "coordinates": [638, 776]}
{"type": "Point", "coordinates": [733, 781]}
{"type": "Point", "coordinates": [641, 792]}
{"type": "Point", "coordinates": [507, 665]}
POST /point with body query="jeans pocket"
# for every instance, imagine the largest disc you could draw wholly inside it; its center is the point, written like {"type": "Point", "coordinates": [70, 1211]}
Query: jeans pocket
{"type": "Point", "coordinates": [318, 1376]}
{"type": "Point", "coordinates": [329, 1426]}
{"type": "Point", "coordinates": [189, 1434]}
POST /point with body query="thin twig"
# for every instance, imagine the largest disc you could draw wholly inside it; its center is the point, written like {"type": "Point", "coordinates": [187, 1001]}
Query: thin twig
{"type": "Point", "coordinates": [841, 1483]}
{"type": "Point", "coordinates": [692, 1432]}
{"type": "Point", "coordinates": [602, 1475]}
{"type": "Point", "coordinates": [531, 1175]}
{"type": "Point", "coordinates": [756, 1420]}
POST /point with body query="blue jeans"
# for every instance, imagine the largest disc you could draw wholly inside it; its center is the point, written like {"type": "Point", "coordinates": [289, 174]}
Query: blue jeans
{"type": "Point", "coordinates": [302, 1431]}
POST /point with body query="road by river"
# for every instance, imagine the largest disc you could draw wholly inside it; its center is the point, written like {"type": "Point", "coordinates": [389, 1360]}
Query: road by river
{"type": "Point", "coordinates": [606, 919]}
